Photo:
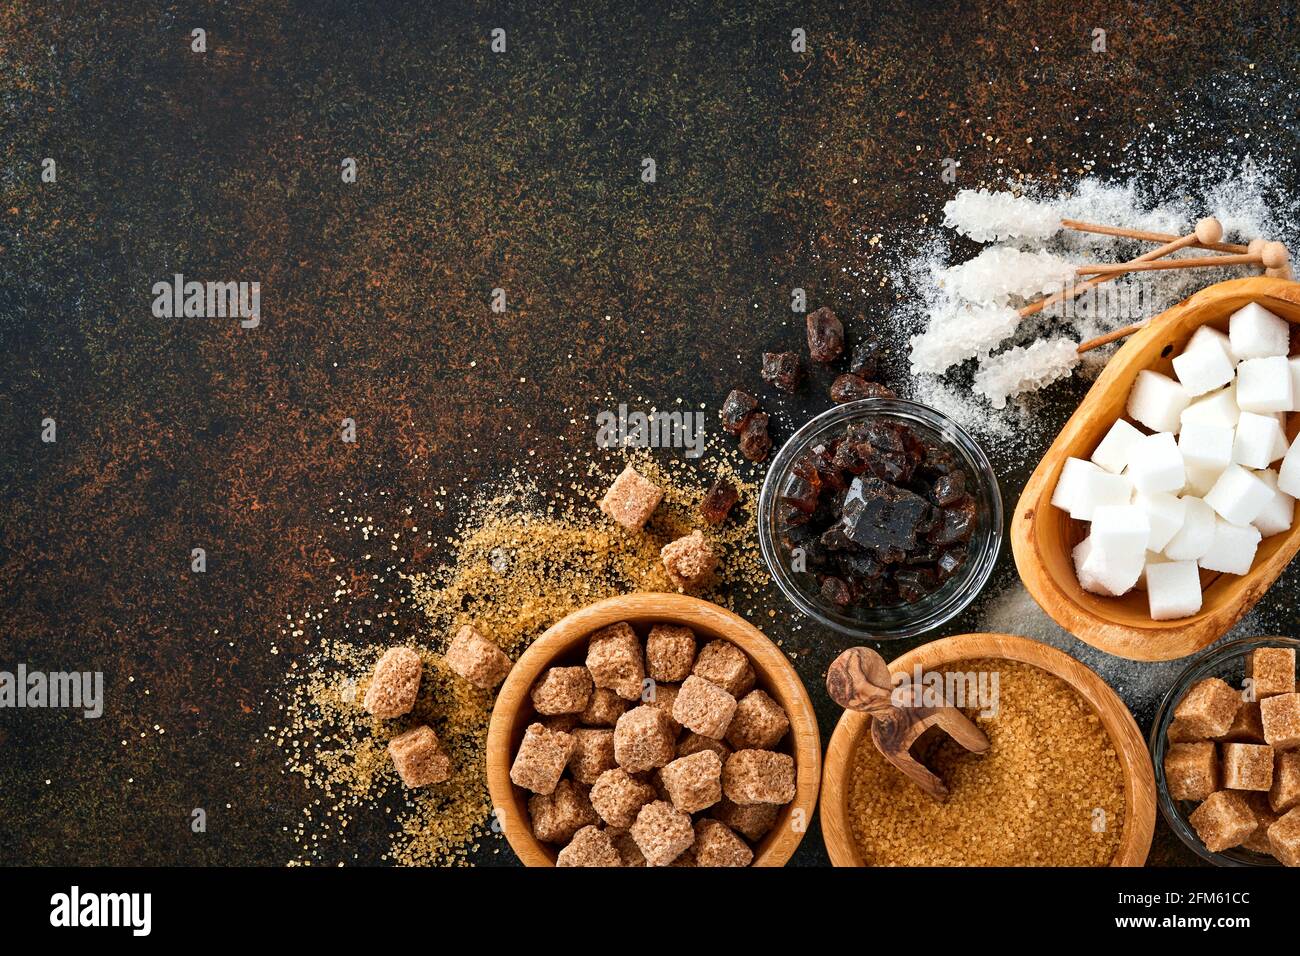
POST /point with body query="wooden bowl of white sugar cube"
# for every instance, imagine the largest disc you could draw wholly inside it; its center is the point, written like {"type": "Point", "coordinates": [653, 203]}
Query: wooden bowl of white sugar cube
{"type": "Point", "coordinates": [1166, 506]}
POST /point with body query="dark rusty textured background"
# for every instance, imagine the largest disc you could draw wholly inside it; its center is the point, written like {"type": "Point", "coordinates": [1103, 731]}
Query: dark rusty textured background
{"type": "Point", "coordinates": [476, 170]}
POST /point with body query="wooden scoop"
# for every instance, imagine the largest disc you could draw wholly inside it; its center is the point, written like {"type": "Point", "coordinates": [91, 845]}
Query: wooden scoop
{"type": "Point", "coordinates": [859, 680]}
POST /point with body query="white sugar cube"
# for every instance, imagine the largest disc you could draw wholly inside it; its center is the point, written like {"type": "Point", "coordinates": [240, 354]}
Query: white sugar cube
{"type": "Point", "coordinates": [1155, 464]}
{"type": "Point", "coordinates": [1157, 401]}
{"type": "Point", "coordinates": [1196, 535]}
{"type": "Point", "coordinates": [1280, 512]}
{"type": "Point", "coordinates": [1279, 450]}
{"type": "Point", "coordinates": [1288, 476]}
{"type": "Point", "coordinates": [1153, 557]}
{"type": "Point", "coordinates": [1205, 363]}
{"type": "Point", "coordinates": [1217, 408]}
{"type": "Point", "coordinates": [1238, 496]}
{"type": "Point", "coordinates": [1066, 493]}
{"type": "Point", "coordinates": [1173, 590]}
{"type": "Point", "coordinates": [1256, 332]}
{"type": "Point", "coordinates": [1264, 385]}
{"type": "Point", "coordinates": [1120, 530]}
{"type": "Point", "coordinates": [1294, 365]}
{"type": "Point", "coordinates": [1100, 573]}
{"type": "Point", "coordinates": [1257, 440]}
{"type": "Point", "coordinates": [1233, 548]}
{"type": "Point", "coordinates": [1113, 452]}
{"type": "Point", "coordinates": [1201, 480]}
{"type": "Point", "coordinates": [1205, 448]}
{"type": "Point", "coordinates": [1164, 513]}
{"type": "Point", "coordinates": [1097, 489]}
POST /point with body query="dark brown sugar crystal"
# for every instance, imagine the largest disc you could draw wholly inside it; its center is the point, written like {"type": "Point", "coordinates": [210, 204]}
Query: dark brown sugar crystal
{"type": "Point", "coordinates": [850, 388]}
{"type": "Point", "coordinates": [718, 501]}
{"type": "Point", "coordinates": [864, 357]}
{"type": "Point", "coordinates": [736, 409]}
{"type": "Point", "coordinates": [754, 440]}
{"type": "Point", "coordinates": [825, 335]}
{"type": "Point", "coordinates": [782, 370]}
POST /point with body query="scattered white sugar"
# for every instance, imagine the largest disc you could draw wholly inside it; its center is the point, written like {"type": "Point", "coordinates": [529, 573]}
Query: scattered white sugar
{"type": "Point", "coordinates": [1023, 369]}
{"type": "Point", "coordinates": [1000, 272]}
{"type": "Point", "coordinates": [987, 216]}
{"type": "Point", "coordinates": [959, 331]}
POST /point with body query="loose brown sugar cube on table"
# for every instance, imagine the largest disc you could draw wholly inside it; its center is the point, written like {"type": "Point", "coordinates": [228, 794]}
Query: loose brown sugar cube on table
{"type": "Point", "coordinates": [631, 499]}
{"type": "Point", "coordinates": [541, 759]}
{"type": "Point", "coordinates": [558, 815]}
{"type": "Point", "coordinates": [1247, 727]}
{"type": "Point", "coordinates": [590, 846]}
{"type": "Point", "coordinates": [693, 783]}
{"type": "Point", "coordinates": [693, 743]}
{"type": "Point", "coordinates": [1208, 709]}
{"type": "Point", "coordinates": [664, 696]}
{"type": "Point", "coordinates": [1257, 842]}
{"type": "Point", "coordinates": [477, 659]}
{"type": "Point", "coordinates": [670, 652]}
{"type": "Point", "coordinates": [1271, 671]}
{"type": "Point", "coordinates": [724, 664]}
{"type": "Point", "coordinates": [1284, 838]}
{"type": "Point", "coordinates": [395, 683]}
{"type": "Point", "coordinates": [1223, 821]}
{"type": "Point", "coordinates": [615, 661]}
{"type": "Point", "coordinates": [562, 690]}
{"type": "Point", "coordinates": [1281, 718]}
{"type": "Point", "coordinates": [1191, 770]}
{"type": "Point", "coordinates": [689, 561]}
{"type": "Point", "coordinates": [716, 845]}
{"type": "Point", "coordinates": [593, 753]}
{"type": "Point", "coordinates": [759, 722]}
{"type": "Point", "coordinates": [603, 709]}
{"type": "Point", "coordinates": [419, 757]}
{"type": "Point", "coordinates": [704, 707]}
{"type": "Point", "coordinates": [618, 797]}
{"type": "Point", "coordinates": [758, 776]}
{"type": "Point", "coordinates": [1285, 792]}
{"type": "Point", "coordinates": [644, 739]}
{"type": "Point", "coordinates": [753, 820]}
{"type": "Point", "coordinates": [1247, 767]}
{"type": "Point", "coordinates": [662, 832]}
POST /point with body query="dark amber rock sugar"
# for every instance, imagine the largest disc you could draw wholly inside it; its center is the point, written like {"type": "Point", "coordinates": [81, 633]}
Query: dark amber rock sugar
{"type": "Point", "coordinates": [850, 388]}
{"type": "Point", "coordinates": [755, 443]}
{"type": "Point", "coordinates": [782, 370]}
{"type": "Point", "coordinates": [736, 409]}
{"type": "Point", "coordinates": [825, 335]}
{"type": "Point", "coordinates": [718, 501]}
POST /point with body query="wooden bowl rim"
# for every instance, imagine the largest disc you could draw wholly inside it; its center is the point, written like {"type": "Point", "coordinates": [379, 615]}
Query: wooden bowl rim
{"type": "Point", "coordinates": [1130, 746]}
{"type": "Point", "coordinates": [773, 669]}
{"type": "Point", "coordinates": [1148, 640]}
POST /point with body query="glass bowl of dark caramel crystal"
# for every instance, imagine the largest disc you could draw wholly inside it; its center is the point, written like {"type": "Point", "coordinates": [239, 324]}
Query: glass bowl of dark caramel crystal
{"type": "Point", "coordinates": [880, 518]}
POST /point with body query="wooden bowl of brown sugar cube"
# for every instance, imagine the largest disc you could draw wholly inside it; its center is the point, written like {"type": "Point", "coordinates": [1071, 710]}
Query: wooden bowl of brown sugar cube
{"type": "Point", "coordinates": [653, 729]}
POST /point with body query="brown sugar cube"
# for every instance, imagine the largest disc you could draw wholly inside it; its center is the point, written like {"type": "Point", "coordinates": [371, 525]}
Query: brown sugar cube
{"type": "Point", "coordinates": [1191, 770]}
{"type": "Point", "coordinates": [631, 499]}
{"type": "Point", "coordinates": [1208, 709]}
{"type": "Point", "coordinates": [725, 664]}
{"type": "Point", "coordinates": [562, 690]}
{"type": "Point", "coordinates": [758, 776]}
{"type": "Point", "coordinates": [1284, 838]}
{"type": "Point", "coordinates": [686, 859]}
{"type": "Point", "coordinates": [689, 561]}
{"type": "Point", "coordinates": [593, 754]}
{"type": "Point", "coordinates": [618, 797]}
{"type": "Point", "coordinates": [1247, 767]}
{"type": "Point", "coordinates": [558, 815]}
{"type": "Point", "coordinates": [752, 820]}
{"type": "Point", "coordinates": [643, 739]}
{"type": "Point", "coordinates": [670, 652]}
{"type": "Point", "coordinates": [478, 660]}
{"type": "Point", "coordinates": [759, 722]}
{"type": "Point", "coordinates": [627, 849]}
{"type": "Point", "coordinates": [395, 683]}
{"type": "Point", "coordinates": [662, 833]}
{"type": "Point", "coordinates": [604, 708]}
{"type": "Point", "coordinates": [695, 782]}
{"type": "Point", "coordinates": [1180, 733]}
{"type": "Point", "coordinates": [418, 758]}
{"type": "Point", "coordinates": [541, 759]}
{"type": "Point", "coordinates": [1223, 821]}
{"type": "Point", "coordinates": [589, 847]}
{"type": "Point", "coordinates": [1281, 718]}
{"type": "Point", "coordinates": [1271, 671]}
{"type": "Point", "coordinates": [614, 660]}
{"type": "Point", "coordinates": [565, 723]}
{"type": "Point", "coordinates": [664, 696]}
{"type": "Point", "coordinates": [1247, 727]}
{"type": "Point", "coordinates": [1285, 792]}
{"type": "Point", "coordinates": [704, 707]}
{"type": "Point", "coordinates": [716, 845]}
{"type": "Point", "coordinates": [693, 743]}
{"type": "Point", "coordinates": [1264, 818]}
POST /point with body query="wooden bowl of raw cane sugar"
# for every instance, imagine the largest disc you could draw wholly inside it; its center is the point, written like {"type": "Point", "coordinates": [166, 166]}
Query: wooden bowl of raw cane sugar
{"type": "Point", "coordinates": [565, 644]}
{"type": "Point", "coordinates": [1043, 537]}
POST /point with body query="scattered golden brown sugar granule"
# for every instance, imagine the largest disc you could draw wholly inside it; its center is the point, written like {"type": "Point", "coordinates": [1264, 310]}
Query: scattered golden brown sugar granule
{"type": "Point", "coordinates": [1049, 791]}
{"type": "Point", "coordinates": [520, 560]}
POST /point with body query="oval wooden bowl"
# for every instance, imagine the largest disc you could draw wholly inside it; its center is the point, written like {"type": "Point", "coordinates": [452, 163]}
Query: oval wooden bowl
{"type": "Point", "coordinates": [566, 643]}
{"type": "Point", "coordinates": [1042, 537]}
{"type": "Point", "coordinates": [1135, 761]}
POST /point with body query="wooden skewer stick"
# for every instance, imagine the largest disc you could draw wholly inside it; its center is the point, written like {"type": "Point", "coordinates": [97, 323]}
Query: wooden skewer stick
{"type": "Point", "coordinates": [1111, 336]}
{"type": "Point", "coordinates": [1200, 262]}
{"type": "Point", "coordinates": [1145, 236]}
